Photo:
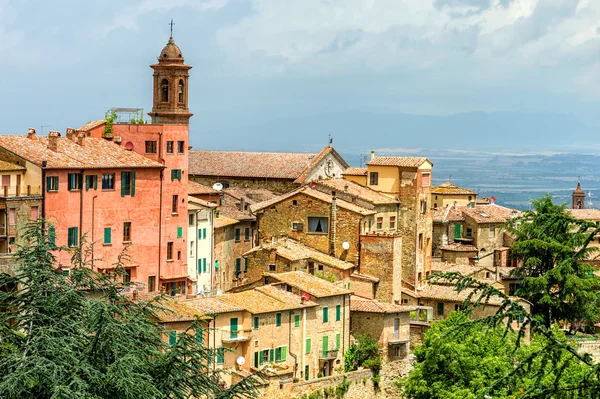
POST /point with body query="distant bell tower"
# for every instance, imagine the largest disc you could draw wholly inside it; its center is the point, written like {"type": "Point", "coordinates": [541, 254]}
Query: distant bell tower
{"type": "Point", "coordinates": [170, 104]}
{"type": "Point", "coordinates": [578, 197]}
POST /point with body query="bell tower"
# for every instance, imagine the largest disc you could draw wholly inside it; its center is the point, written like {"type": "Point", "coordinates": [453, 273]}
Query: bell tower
{"type": "Point", "coordinates": [171, 75]}
{"type": "Point", "coordinates": [578, 197]}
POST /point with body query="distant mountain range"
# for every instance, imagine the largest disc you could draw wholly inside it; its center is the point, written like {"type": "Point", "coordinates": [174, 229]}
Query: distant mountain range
{"type": "Point", "coordinates": [359, 132]}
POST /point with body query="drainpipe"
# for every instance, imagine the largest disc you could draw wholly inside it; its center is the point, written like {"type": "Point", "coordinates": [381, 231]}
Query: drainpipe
{"type": "Point", "coordinates": [93, 214]}
{"type": "Point", "coordinates": [81, 215]}
{"type": "Point", "coordinates": [160, 207]}
{"type": "Point", "coordinates": [290, 344]}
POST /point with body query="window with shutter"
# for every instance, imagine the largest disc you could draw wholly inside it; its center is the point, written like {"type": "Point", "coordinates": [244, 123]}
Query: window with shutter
{"type": "Point", "coordinates": [325, 314]}
{"type": "Point", "coordinates": [107, 236]}
{"type": "Point", "coordinates": [52, 236]}
{"type": "Point", "coordinates": [256, 360]}
{"type": "Point", "coordinates": [172, 337]}
{"type": "Point", "coordinates": [278, 319]}
{"type": "Point", "coordinates": [271, 355]}
{"type": "Point", "coordinates": [297, 320]}
{"type": "Point", "coordinates": [308, 342]}
{"type": "Point", "coordinates": [338, 313]}
{"type": "Point", "coordinates": [179, 232]}
{"type": "Point", "coordinates": [338, 339]}
{"type": "Point", "coordinates": [204, 265]}
{"type": "Point", "coordinates": [199, 336]}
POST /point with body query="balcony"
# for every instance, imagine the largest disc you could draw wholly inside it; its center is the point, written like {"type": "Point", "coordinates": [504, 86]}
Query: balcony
{"type": "Point", "coordinates": [396, 338]}
{"type": "Point", "coordinates": [421, 315]}
{"type": "Point", "coordinates": [229, 336]}
{"type": "Point", "coordinates": [330, 354]}
{"type": "Point", "coordinates": [19, 191]}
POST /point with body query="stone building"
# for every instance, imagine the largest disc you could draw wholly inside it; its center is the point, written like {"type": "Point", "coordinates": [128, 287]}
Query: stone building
{"type": "Point", "coordinates": [408, 179]}
{"type": "Point", "coordinates": [322, 221]}
{"type": "Point", "coordinates": [447, 227]}
{"type": "Point", "coordinates": [381, 258]}
{"type": "Point", "coordinates": [276, 171]}
{"type": "Point", "coordinates": [450, 194]}
{"type": "Point", "coordinates": [386, 323]}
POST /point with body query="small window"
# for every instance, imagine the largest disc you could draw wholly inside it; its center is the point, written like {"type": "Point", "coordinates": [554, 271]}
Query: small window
{"type": "Point", "coordinates": [423, 206]}
{"type": "Point", "coordinates": [180, 91]}
{"type": "Point", "coordinates": [420, 243]}
{"type": "Point", "coordinates": [176, 174]}
{"type": "Point", "coordinates": [72, 236]}
{"type": "Point", "coordinates": [379, 223]}
{"type": "Point", "coordinates": [107, 236]}
{"type": "Point", "coordinates": [296, 320]}
{"type": "Point", "coordinates": [297, 226]}
{"type": "Point", "coordinates": [151, 283]}
{"type": "Point", "coordinates": [150, 147]}
{"type": "Point", "coordinates": [52, 183]}
{"type": "Point", "coordinates": [492, 232]}
{"type": "Point", "coordinates": [374, 178]}
{"type": "Point", "coordinates": [426, 180]}
{"type": "Point", "coordinates": [175, 204]}
{"type": "Point", "coordinates": [419, 277]}
{"type": "Point", "coordinates": [74, 182]}
{"type": "Point", "coordinates": [12, 216]}
{"type": "Point", "coordinates": [392, 222]}
{"type": "Point", "coordinates": [318, 225]}
{"type": "Point", "coordinates": [307, 345]}
{"type": "Point", "coordinates": [108, 182]}
{"type": "Point", "coordinates": [237, 234]}
{"type": "Point", "coordinates": [320, 268]}
{"type": "Point", "coordinates": [272, 268]}
{"type": "Point", "coordinates": [338, 312]}
{"type": "Point", "coordinates": [91, 182]}
{"type": "Point", "coordinates": [278, 319]}
{"type": "Point", "coordinates": [440, 308]}
{"type": "Point", "coordinates": [245, 265]}
{"type": "Point", "coordinates": [238, 267]}
{"type": "Point", "coordinates": [169, 147]}
{"type": "Point", "coordinates": [256, 322]}
{"type": "Point", "coordinates": [181, 147]}
{"type": "Point", "coordinates": [325, 314]}
{"type": "Point", "coordinates": [294, 202]}
{"type": "Point", "coordinates": [469, 232]}
{"type": "Point", "coordinates": [127, 184]}
{"type": "Point", "coordinates": [170, 250]}
{"type": "Point", "coordinates": [247, 234]}
{"type": "Point", "coordinates": [127, 232]}
{"type": "Point", "coordinates": [191, 219]}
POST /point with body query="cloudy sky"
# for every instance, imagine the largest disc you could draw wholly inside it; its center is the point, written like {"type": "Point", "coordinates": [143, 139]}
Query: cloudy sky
{"type": "Point", "coordinates": [65, 62]}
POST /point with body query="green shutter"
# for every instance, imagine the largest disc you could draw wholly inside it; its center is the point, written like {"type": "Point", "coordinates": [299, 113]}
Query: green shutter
{"type": "Point", "coordinates": [283, 353]}
{"type": "Point", "coordinates": [338, 338]}
{"type": "Point", "coordinates": [325, 315]}
{"type": "Point", "coordinates": [278, 354]}
{"type": "Point", "coordinates": [107, 235]}
{"type": "Point", "coordinates": [95, 182]}
{"type": "Point", "coordinates": [308, 345]}
{"type": "Point", "coordinates": [87, 182]}
{"type": "Point", "coordinates": [203, 233]}
{"type": "Point", "coordinates": [325, 345]}
{"type": "Point", "coordinates": [199, 234]}
{"type": "Point", "coordinates": [204, 264]}
{"type": "Point", "coordinates": [261, 358]}
{"type": "Point", "coordinates": [123, 184]}
{"type": "Point", "coordinates": [199, 336]}
{"type": "Point", "coordinates": [271, 355]}
{"type": "Point", "coordinates": [338, 313]}
{"type": "Point", "coordinates": [297, 320]}
{"type": "Point", "coordinates": [172, 337]}
{"type": "Point", "coordinates": [79, 180]}
{"type": "Point", "coordinates": [179, 173]}
{"type": "Point", "coordinates": [48, 182]}
{"type": "Point", "coordinates": [52, 236]}
{"type": "Point", "coordinates": [457, 230]}
{"type": "Point", "coordinates": [172, 174]}
{"type": "Point", "coordinates": [133, 184]}
{"type": "Point", "coordinates": [179, 232]}
{"type": "Point", "coordinates": [278, 319]}
{"type": "Point", "coordinates": [256, 359]}
{"type": "Point", "coordinates": [256, 320]}
{"type": "Point", "coordinates": [220, 356]}
{"type": "Point", "coordinates": [199, 265]}
{"type": "Point", "coordinates": [76, 235]}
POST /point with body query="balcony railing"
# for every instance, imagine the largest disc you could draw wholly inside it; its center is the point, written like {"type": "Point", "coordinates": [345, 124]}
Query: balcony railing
{"type": "Point", "coordinates": [397, 338]}
{"type": "Point", "coordinates": [19, 191]}
{"type": "Point", "coordinates": [230, 336]}
{"type": "Point", "coordinates": [329, 354]}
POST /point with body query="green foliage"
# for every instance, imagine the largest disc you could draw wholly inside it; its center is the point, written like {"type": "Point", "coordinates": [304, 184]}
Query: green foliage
{"type": "Point", "coordinates": [110, 117]}
{"type": "Point", "coordinates": [327, 277]}
{"type": "Point", "coordinates": [553, 248]}
{"type": "Point", "coordinates": [337, 392]}
{"type": "Point", "coordinates": [138, 118]}
{"type": "Point", "coordinates": [363, 353]}
{"type": "Point", "coordinates": [76, 336]}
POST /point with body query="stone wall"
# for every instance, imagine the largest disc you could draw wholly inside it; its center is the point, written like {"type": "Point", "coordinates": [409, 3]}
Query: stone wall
{"type": "Point", "coordinates": [279, 186]}
{"type": "Point", "coordinates": [361, 386]}
{"type": "Point", "coordinates": [380, 257]}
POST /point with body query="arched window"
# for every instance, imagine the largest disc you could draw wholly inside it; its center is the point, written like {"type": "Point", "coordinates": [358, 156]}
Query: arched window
{"type": "Point", "coordinates": [180, 91]}
{"type": "Point", "coordinates": [164, 90]}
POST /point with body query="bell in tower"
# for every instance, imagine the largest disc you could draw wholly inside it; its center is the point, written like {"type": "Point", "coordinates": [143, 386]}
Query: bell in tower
{"type": "Point", "coordinates": [171, 75]}
{"type": "Point", "coordinates": [578, 197]}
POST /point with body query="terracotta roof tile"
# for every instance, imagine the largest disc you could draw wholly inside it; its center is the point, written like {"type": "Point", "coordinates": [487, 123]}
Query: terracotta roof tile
{"type": "Point", "coordinates": [315, 194]}
{"type": "Point", "coordinates": [195, 188]}
{"type": "Point", "coordinates": [93, 154]}
{"type": "Point", "coordinates": [172, 309]}
{"type": "Point", "coordinates": [448, 293]}
{"type": "Point", "coordinates": [356, 190]}
{"type": "Point", "coordinates": [213, 305]}
{"type": "Point", "coordinates": [458, 247]}
{"type": "Point", "coordinates": [199, 204]}
{"type": "Point", "coordinates": [591, 215]}
{"type": "Point", "coordinates": [489, 213]}
{"type": "Point", "coordinates": [404, 162]}
{"type": "Point", "coordinates": [359, 304]}
{"type": "Point", "coordinates": [355, 172]}
{"type": "Point", "coordinates": [294, 251]}
{"type": "Point", "coordinates": [7, 166]}
{"type": "Point", "coordinates": [223, 221]}
{"type": "Point", "coordinates": [250, 195]}
{"type": "Point", "coordinates": [274, 165]}
{"type": "Point", "coordinates": [266, 299]}
{"type": "Point", "coordinates": [91, 125]}
{"type": "Point", "coordinates": [449, 213]}
{"type": "Point", "coordinates": [305, 282]}
{"type": "Point", "coordinates": [449, 188]}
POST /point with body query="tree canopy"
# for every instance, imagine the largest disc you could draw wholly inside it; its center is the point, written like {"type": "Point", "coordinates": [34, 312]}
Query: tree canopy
{"type": "Point", "coordinates": [76, 336]}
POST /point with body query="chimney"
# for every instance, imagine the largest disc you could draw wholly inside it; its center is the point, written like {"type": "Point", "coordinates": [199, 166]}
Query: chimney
{"type": "Point", "coordinates": [31, 133]}
{"type": "Point", "coordinates": [332, 225]}
{"type": "Point", "coordinates": [80, 138]}
{"type": "Point", "coordinates": [70, 133]}
{"type": "Point", "coordinates": [242, 203]}
{"type": "Point", "coordinates": [372, 155]}
{"type": "Point", "coordinates": [53, 141]}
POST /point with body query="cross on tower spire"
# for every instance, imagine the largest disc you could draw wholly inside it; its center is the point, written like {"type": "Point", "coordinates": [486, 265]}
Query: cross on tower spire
{"type": "Point", "coordinates": [171, 23]}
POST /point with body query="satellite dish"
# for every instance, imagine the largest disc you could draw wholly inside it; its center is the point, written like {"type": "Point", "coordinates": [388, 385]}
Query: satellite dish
{"type": "Point", "coordinates": [217, 186]}
{"type": "Point", "coordinates": [346, 245]}
{"type": "Point", "coordinates": [240, 360]}
{"type": "Point", "coordinates": [129, 146]}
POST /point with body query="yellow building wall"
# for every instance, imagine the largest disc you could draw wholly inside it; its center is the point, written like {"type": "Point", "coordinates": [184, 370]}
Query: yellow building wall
{"type": "Point", "coordinates": [388, 179]}
{"type": "Point", "coordinates": [442, 200]}
{"type": "Point", "coordinates": [362, 180]}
